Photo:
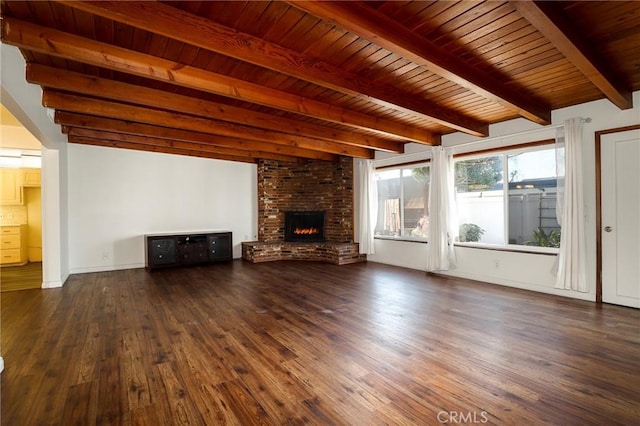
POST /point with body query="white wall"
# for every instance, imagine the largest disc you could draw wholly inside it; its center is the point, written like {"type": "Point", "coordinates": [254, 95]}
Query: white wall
{"type": "Point", "coordinates": [98, 200]}
{"type": "Point", "coordinates": [116, 196]}
{"type": "Point", "coordinates": [23, 100]}
{"type": "Point", "coordinates": [520, 270]}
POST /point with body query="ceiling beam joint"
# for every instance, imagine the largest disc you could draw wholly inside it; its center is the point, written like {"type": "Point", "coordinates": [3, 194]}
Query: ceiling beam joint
{"type": "Point", "coordinates": [549, 18]}
{"type": "Point", "coordinates": [358, 18]}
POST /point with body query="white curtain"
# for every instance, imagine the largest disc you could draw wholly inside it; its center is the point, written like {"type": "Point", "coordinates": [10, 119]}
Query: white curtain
{"type": "Point", "coordinates": [368, 205]}
{"type": "Point", "coordinates": [443, 227]}
{"type": "Point", "coordinates": [571, 274]}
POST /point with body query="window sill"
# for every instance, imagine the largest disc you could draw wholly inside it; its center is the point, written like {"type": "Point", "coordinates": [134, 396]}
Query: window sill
{"type": "Point", "coordinates": [547, 251]}
{"type": "Point", "coordinates": [404, 239]}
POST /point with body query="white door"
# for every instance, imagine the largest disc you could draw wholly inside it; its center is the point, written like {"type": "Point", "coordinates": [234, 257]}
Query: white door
{"type": "Point", "coordinates": [620, 171]}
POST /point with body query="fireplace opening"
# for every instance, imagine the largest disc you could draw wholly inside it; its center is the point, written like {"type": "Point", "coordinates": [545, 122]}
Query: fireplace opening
{"type": "Point", "coordinates": [304, 226]}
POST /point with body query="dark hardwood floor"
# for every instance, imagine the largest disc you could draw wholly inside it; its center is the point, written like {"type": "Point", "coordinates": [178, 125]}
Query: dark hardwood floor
{"type": "Point", "coordinates": [312, 343]}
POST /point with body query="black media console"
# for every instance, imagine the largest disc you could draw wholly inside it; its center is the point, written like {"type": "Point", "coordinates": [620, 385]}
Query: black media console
{"type": "Point", "coordinates": [167, 250]}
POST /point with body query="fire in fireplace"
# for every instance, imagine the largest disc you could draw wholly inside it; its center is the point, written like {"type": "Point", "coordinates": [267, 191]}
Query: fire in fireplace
{"type": "Point", "coordinates": [306, 231]}
{"type": "Point", "coordinates": [302, 226]}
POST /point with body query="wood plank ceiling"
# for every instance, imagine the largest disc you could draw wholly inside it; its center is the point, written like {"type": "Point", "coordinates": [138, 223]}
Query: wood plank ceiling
{"type": "Point", "coordinates": [292, 81]}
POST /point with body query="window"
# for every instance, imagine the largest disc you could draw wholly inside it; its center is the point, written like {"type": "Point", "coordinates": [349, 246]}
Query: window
{"type": "Point", "coordinates": [509, 197]}
{"type": "Point", "coordinates": [480, 199]}
{"type": "Point", "coordinates": [403, 194]}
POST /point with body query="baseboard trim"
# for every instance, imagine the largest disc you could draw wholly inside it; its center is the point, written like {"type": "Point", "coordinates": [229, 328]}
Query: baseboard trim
{"type": "Point", "coordinates": [52, 284]}
{"type": "Point", "coordinates": [89, 269]}
{"type": "Point", "coordinates": [589, 297]}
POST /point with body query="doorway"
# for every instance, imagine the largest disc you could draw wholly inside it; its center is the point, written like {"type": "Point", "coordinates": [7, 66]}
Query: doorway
{"type": "Point", "coordinates": [618, 210]}
{"type": "Point", "coordinates": [26, 271]}
{"type": "Point", "coordinates": [20, 205]}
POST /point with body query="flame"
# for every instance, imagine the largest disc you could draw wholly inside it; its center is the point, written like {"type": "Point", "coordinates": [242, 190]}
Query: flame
{"type": "Point", "coordinates": [306, 231]}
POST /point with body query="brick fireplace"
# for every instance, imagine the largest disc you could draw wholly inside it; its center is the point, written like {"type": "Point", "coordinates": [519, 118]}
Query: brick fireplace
{"type": "Point", "coordinates": [304, 226]}
{"type": "Point", "coordinates": [310, 186]}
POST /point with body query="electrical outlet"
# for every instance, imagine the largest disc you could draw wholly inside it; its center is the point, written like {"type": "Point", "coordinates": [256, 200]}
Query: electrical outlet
{"type": "Point", "coordinates": [496, 264]}
{"type": "Point", "coordinates": [105, 255]}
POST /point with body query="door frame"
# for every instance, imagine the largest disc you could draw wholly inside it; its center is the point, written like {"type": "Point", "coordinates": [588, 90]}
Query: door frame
{"type": "Point", "coordinates": [598, 142]}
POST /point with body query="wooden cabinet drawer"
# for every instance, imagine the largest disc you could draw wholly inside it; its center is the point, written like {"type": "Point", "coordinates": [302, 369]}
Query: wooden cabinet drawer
{"type": "Point", "coordinates": [220, 247]}
{"type": "Point", "coordinates": [13, 245]}
{"type": "Point", "coordinates": [9, 230]}
{"type": "Point", "coordinates": [10, 241]}
{"type": "Point", "coordinates": [162, 251]}
{"type": "Point", "coordinates": [10, 256]}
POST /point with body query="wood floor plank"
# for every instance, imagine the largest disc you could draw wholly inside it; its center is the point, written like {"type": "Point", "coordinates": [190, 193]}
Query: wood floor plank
{"type": "Point", "coordinates": [246, 410]}
{"type": "Point", "coordinates": [411, 401]}
{"type": "Point", "coordinates": [81, 404]}
{"type": "Point", "coordinates": [150, 415]}
{"type": "Point", "coordinates": [212, 344]}
{"type": "Point", "coordinates": [112, 394]}
{"type": "Point", "coordinates": [132, 369]}
{"type": "Point", "coordinates": [181, 401]}
{"type": "Point", "coordinates": [88, 359]}
{"type": "Point", "coordinates": [23, 277]}
{"type": "Point", "coordinates": [273, 386]}
{"type": "Point", "coordinates": [342, 392]}
{"type": "Point", "coordinates": [311, 343]}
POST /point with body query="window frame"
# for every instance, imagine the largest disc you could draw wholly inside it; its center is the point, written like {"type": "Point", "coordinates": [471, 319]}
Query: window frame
{"type": "Point", "coordinates": [515, 148]}
{"type": "Point", "coordinates": [504, 152]}
{"type": "Point", "coordinates": [403, 166]}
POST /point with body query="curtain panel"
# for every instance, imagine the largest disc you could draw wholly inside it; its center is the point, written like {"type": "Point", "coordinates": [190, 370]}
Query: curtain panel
{"type": "Point", "coordinates": [443, 227]}
{"type": "Point", "coordinates": [368, 206]}
{"type": "Point", "coordinates": [571, 261]}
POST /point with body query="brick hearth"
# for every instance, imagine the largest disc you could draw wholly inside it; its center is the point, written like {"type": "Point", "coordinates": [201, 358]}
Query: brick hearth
{"type": "Point", "coordinates": [338, 253]}
{"type": "Point", "coordinates": [311, 186]}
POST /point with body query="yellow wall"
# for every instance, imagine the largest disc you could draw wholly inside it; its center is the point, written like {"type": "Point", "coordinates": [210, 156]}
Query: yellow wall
{"type": "Point", "coordinates": [33, 202]}
{"type": "Point", "coordinates": [13, 134]}
{"type": "Point", "coordinates": [27, 210]}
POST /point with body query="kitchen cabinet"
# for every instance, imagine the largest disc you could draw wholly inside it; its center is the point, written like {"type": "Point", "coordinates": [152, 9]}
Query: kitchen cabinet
{"type": "Point", "coordinates": [12, 182]}
{"type": "Point", "coordinates": [11, 186]}
{"type": "Point", "coordinates": [31, 177]}
{"type": "Point", "coordinates": [13, 245]}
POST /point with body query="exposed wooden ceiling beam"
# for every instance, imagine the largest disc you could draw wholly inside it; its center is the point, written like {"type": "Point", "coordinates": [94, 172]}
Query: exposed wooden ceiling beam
{"type": "Point", "coordinates": [120, 140]}
{"type": "Point", "coordinates": [64, 45]}
{"type": "Point", "coordinates": [121, 111]}
{"type": "Point", "coordinates": [549, 18]}
{"type": "Point", "coordinates": [177, 24]}
{"type": "Point", "coordinates": [118, 130]}
{"type": "Point", "coordinates": [110, 89]}
{"type": "Point", "coordinates": [372, 25]}
{"type": "Point", "coordinates": [160, 150]}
